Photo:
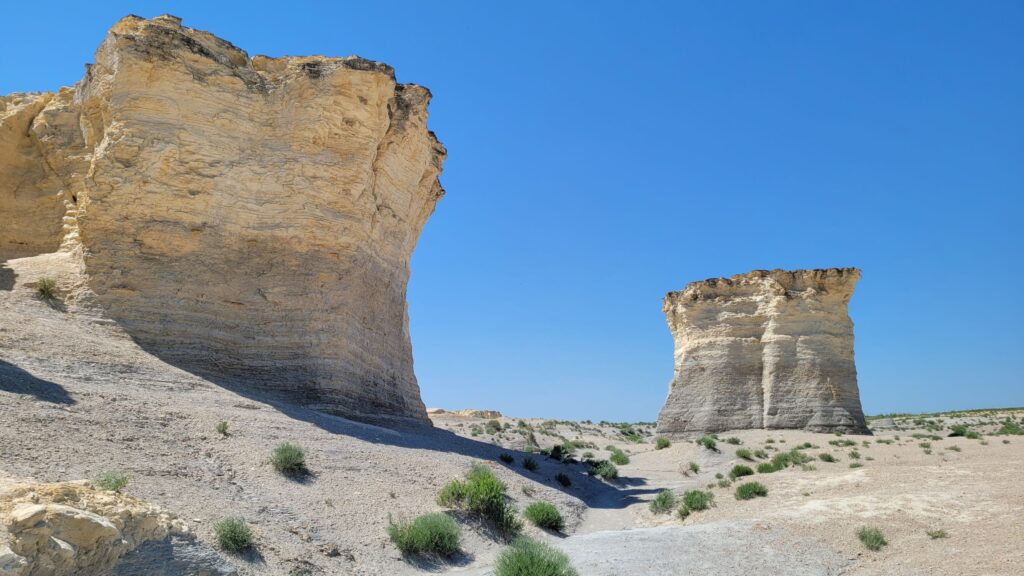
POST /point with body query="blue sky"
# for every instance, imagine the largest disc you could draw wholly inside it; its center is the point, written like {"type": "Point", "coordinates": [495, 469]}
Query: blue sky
{"type": "Point", "coordinates": [602, 154]}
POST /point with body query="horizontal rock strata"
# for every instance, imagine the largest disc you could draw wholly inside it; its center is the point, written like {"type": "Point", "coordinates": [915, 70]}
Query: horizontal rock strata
{"type": "Point", "coordinates": [767, 349]}
{"type": "Point", "coordinates": [251, 219]}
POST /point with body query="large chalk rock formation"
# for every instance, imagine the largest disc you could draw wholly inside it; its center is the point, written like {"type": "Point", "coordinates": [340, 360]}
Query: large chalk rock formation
{"type": "Point", "coordinates": [767, 349]}
{"type": "Point", "coordinates": [250, 218]}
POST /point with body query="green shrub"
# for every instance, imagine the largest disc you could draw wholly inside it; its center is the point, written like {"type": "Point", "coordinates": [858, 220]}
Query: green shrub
{"type": "Point", "coordinates": [222, 428]}
{"type": "Point", "coordinates": [751, 490]}
{"type": "Point", "coordinates": [563, 479]}
{"type": "Point", "coordinates": [663, 502]}
{"type": "Point", "coordinates": [434, 534]}
{"type": "Point", "coordinates": [936, 534]}
{"type": "Point", "coordinates": [661, 443]}
{"type": "Point", "coordinates": [544, 515]}
{"type": "Point", "coordinates": [745, 454]}
{"type": "Point", "coordinates": [527, 557]}
{"type": "Point", "coordinates": [483, 495]}
{"type": "Point", "coordinates": [604, 469]}
{"type": "Point", "coordinates": [530, 464]}
{"type": "Point", "coordinates": [233, 535]}
{"type": "Point", "coordinates": [723, 483]}
{"type": "Point", "coordinates": [698, 499]}
{"type": "Point", "coordinates": [854, 455]}
{"type": "Point", "coordinates": [506, 458]}
{"type": "Point", "coordinates": [826, 457]}
{"type": "Point", "coordinates": [766, 468]}
{"type": "Point", "coordinates": [493, 427]}
{"type": "Point", "coordinates": [759, 453]}
{"type": "Point", "coordinates": [708, 442]}
{"type": "Point", "coordinates": [842, 443]}
{"type": "Point", "coordinates": [733, 440]}
{"type": "Point", "coordinates": [619, 457]}
{"type": "Point", "coordinates": [47, 288]}
{"type": "Point", "coordinates": [740, 470]}
{"type": "Point", "coordinates": [694, 467]}
{"type": "Point", "coordinates": [112, 480]}
{"type": "Point", "coordinates": [1010, 428]}
{"type": "Point", "coordinates": [872, 538]}
{"type": "Point", "coordinates": [288, 458]}
{"type": "Point", "coordinates": [683, 512]}
{"type": "Point", "coordinates": [855, 464]}
{"type": "Point", "coordinates": [958, 430]}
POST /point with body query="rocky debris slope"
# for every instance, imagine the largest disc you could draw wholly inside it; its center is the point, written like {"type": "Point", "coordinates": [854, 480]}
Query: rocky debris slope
{"type": "Point", "coordinates": [72, 528]}
{"type": "Point", "coordinates": [251, 219]}
{"type": "Point", "coordinates": [767, 349]}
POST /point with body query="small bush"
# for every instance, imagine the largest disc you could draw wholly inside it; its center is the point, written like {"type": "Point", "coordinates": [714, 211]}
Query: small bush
{"type": "Point", "coordinates": [760, 454]}
{"type": "Point", "coordinates": [112, 480]}
{"type": "Point", "coordinates": [605, 469]}
{"type": "Point", "coordinates": [842, 443]}
{"type": "Point", "coordinates": [493, 427]}
{"type": "Point", "coordinates": [740, 470]}
{"type": "Point", "coordinates": [826, 457]}
{"type": "Point", "coordinates": [663, 502]}
{"type": "Point", "coordinates": [482, 495]}
{"type": "Point", "coordinates": [233, 535]}
{"type": "Point", "coordinates": [683, 512]}
{"type": "Point", "coordinates": [619, 457]}
{"type": "Point", "coordinates": [708, 442]}
{"type": "Point", "coordinates": [452, 494]}
{"type": "Point", "coordinates": [745, 454]}
{"type": "Point", "coordinates": [506, 458]}
{"type": "Point", "coordinates": [854, 455]}
{"type": "Point", "coordinates": [563, 479]}
{"type": "Point", "coordinates": [428, 534]}
{"type": "Point", "coordinates": [661, 443]}
{"type": "Point", "coordinates": [698, 499]}
{"type": "Point", "coordinates": [222, 428]}
{"type": "Point", "coordinates": [723, 483]}
{"type": "Point", "coordinates": [544, 515]}
{"type": "Point", "coordinates": [855, 464]}
{"type": "Point", "coordinates": [958, 430]}
{"type": "Point", "coordinates": [1010, 428]}
{"type": "Point", "coordinates": [527, 557]}
{"type": "Point", "coordinates": [288, 458]}
{"type": "Point", "coordinates": [766, 468]}
{"type": "Point", "coordinates": [530, 464]}
{"type": "Point", "coordinates": [936, 534]}
{"type": "Point", "coordinates": [925, 445]}
{"type": "Point", "coordinates": [694, 467]}
{"type": "Point", "coordinates": [872, 538]}
{"type": "Point", "coordinates": [750, 490]}
{"type": "Point", "coordinates": [47, 288]}
{"type": "Point", "coordinates": [733, 440]}
{"type": "Point", "coordinates": [954, 448]}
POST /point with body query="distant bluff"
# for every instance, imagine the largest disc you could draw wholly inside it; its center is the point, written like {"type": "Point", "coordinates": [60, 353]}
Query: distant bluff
{"type": "Point", "coordinates": [251, 219]}
{"type": "Point", "coordinates": [766, 349]}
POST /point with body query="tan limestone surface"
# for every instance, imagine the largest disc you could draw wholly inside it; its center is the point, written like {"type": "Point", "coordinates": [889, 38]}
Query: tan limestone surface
{"type": "Point", "coordinates": [249, 219]}
{"type": "Point", "coordinates": [766, 349]}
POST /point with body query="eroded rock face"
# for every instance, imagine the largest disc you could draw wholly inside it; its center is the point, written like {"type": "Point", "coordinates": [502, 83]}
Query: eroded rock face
{"type": "Point", "coordinates": [249, 218]}
{"type": "Point", "coordinates": [767, 349]}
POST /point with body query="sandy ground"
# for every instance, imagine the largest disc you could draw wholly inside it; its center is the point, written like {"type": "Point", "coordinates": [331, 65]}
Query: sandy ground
{"type": "Point", "coordinates": [77, 397]}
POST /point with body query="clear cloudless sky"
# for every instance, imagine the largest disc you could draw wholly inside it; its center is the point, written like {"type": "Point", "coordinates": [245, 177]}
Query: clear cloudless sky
{"type": "Point", "coordinates": [602, 154]}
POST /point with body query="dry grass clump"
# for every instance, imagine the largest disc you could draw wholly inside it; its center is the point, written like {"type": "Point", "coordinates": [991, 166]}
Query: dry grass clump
{"type": "Point", "coordinates": [872, 538]}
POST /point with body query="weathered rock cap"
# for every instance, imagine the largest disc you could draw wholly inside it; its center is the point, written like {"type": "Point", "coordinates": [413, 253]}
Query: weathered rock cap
{"type": "Point", "coordinates": [820, 279]}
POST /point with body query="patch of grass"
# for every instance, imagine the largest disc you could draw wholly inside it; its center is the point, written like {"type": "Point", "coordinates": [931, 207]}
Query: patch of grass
{"type": "Point", "coordinates": [766, 468]}
{"type": "Point", "coordinates": [954, 448]}
{"type": "Point", "coordinates": [506, 458]}
{"type": "Point", "coordinates": [683, 512]}
{"type": "Point", "coordinates": [493, 427]}
{"type": "Point", "coordinates": [724, 483]}
{"type": "Point", "coordinates": [745, 454]}
{"type": "Point", "coordinates": [694, 467]}
{"type": "Point", "coordinates": [483, 495]}
{"type": "Point", "coordinates": [733, 440]}
{"type": "Point", "coordinates": [530, 464]}
{"type": "Point", "coordinates": [1010, 428]}
{"type": "Point", "coordinates": [698, 499]}
{"type": "Point", "coordinates": [112, 480]}
{"type": "Point", "coordinates": [925, 445]}
{"type": "Point", "coordinates": [288, 458]}
{"type": "Point", "coordinates": [527, 557]}
{"type": "Point", "coordinates": [604, 469]}
{"type": "Point", "coordinates": [740, 470]}
{"type": "Point", "coordinates": [619, 457]}
{"type": "Point", "coordinates": [750, 490]}
{"type": "Point", "coordinates": [233, 535]}
{"type": "Point", "coordinates": [436, 534]}
{"type": "Point", "coordinates": [544, 515]}
{"type": "Point", "coordinates": [46, 288]}
{"type": "Point", "coordinates": [826, 457]}
{"type": "Point", "coordinates": [563, 479]}
{"type": "Point", "coordinates": [709, 443]}
{"type": "Point", "coordinates": [936, 534]}
{"type": "Point", "coordinates": [842, 443]}
{"type": "Point", "coordinates": [222, 428]}
{"type": "Point", "coordinates": [872, 538]}
{"type": "Point", "coordinates": [663, 502]}
{"type": "Point", "coordinates": [854, 455]}
{"type": "Point", "coordinates": [855, 464]}
{"type": "Point", "coordinates": [759, 453]}
{"type": "Point", "coordinates": [660, 443]}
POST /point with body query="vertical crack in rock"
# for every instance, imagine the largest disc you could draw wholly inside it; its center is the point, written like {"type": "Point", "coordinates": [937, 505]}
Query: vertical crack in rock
{"type": "Point", "coordinates": [767, 349]}
{"type": "Point", "coordinates": [249, 219]}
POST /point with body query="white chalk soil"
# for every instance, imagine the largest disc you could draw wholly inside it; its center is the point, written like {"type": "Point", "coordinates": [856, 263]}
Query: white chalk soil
{"type": "Point", "coordinates": [79, 397]}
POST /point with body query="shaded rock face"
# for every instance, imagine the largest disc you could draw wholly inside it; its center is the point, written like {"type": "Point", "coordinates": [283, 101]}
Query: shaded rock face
{"type": "Point", "coordinates": [767, 349]}
{"type": "Point", "coordinates": [251, 219]}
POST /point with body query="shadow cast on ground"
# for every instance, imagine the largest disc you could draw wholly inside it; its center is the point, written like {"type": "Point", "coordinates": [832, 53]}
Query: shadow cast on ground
{"type": "Point", "coordinates": [7, 277]}
{"type": "Point", "coordinates": [18, 381]}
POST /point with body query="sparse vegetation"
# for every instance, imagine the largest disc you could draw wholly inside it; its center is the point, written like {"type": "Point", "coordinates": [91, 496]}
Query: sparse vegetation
{"type": "Point", "coordinates": [740, 470]}
{"type": "Point", "coordinates": [660, 443]}
{"type": "Point", "coordinates": [544, 515]}
{"type": "Point", "coordinates": [222, 428]}
{"type": "Point", "coordinates": [750, 490]}
{"type": "Point", "coordinates": [112, 480]}
{"type": "Point", "coordinates": [506, 458]}
{"type": "Point", "coordinates": [436, 534]}
{"type": "Point", "coordinates": [233, 535]}
{"type": "Point", "coordinates": [724, 483]}
{"type": "Point", "coordinates": [872, 538]}
{"type": "Point", "coordinates": [683, 512]}
{"type": "Point", "coordinates": [936, 534]}
{"type": "Point", "coordinates": [698, 499]}
{"type": "Point", "coordinates": [530, 464]}
{"type": "Point", "coordinates": [826, 457]}
{"type": "Point", "coordinates": [733, 440]}
{"type": "Point", "coordinates": [563, 479]}
{"type": "Point", "coordinates": [527, 557]}
{"type": "Point", "coordinates": [663, 502]}
{"type": "Point", "coordinates": [709, 443]}
{"type": "Point", "coordinates": [289, 459]}
{"type": "Point", "coordinates": [604, 469]}
{"type": "Point", "coordinates": [766, 468]}
{"type": "Point", "coordinates": [855, 464]}
{"type": "Point", "coordinates": [694, 467]}
{"type": "Point", "coordinates": [619, 457]}
{"type": "Point", "coordinates": [759, 453]}
{"type": "Point", "coordinates": [46, 288]}
{"type": "Point", "coordinates": [745, 454]}
{"type": "Point", "coordinates": [482, 494]}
